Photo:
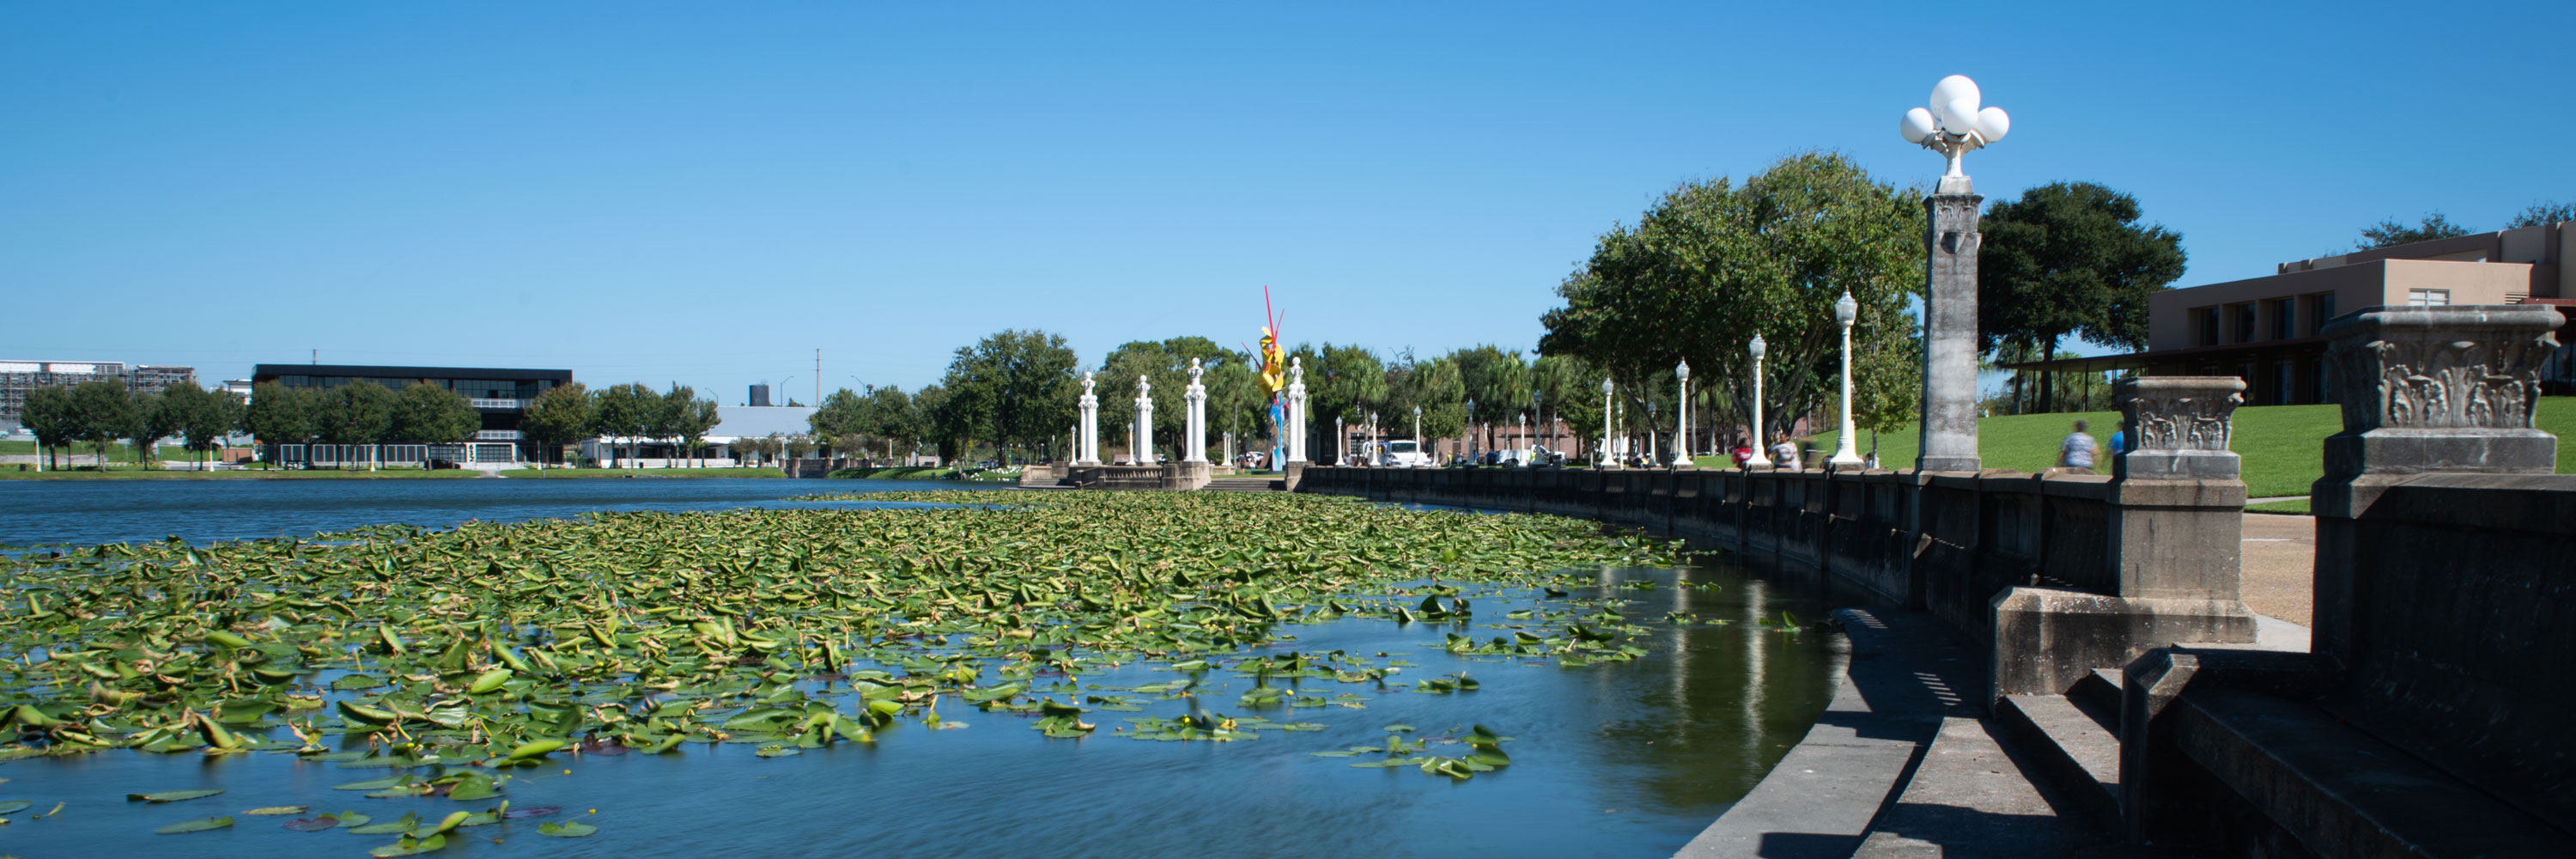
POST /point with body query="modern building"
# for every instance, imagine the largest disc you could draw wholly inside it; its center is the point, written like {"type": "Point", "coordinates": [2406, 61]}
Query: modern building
{"type": "Point", "coordinates": [2264, 330]}
{"type": "Point", "coordinates": [19, 377]}
{"type": "Point", "coordinates": [500, 395]}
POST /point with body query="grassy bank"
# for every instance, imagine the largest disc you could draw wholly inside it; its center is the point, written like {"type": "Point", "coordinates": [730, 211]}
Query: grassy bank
{"type": "Point", "coordinates": [119, 452]}
{"type": "Point", "coordinates": [894, 472]}
{"type": "Point", "coordinates": [85, 473]}
{"type": "Point", "coordinates": [578, 473]}
{"type": "Point", "coordinates": [2280, 444]}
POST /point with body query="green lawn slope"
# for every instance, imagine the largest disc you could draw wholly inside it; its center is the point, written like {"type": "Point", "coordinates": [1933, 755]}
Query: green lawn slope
{"type": "Point", "coordinates": [2281, 445]}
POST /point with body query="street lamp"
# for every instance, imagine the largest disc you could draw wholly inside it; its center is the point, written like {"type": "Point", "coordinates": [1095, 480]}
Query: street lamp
{"type": "Point", "coordinates": [1417, 429]}
{"type": "Point", "coordinates": [1341, 443]}
{"type": "Point", "coordinates": [1539, 409]}
{"type": "Point", "coordinates": [1681, 422]}
{"type": "Point", "coordinates": [1652, 428]}
{"type": "Point", "coordinates": [1761, 443]}
{"type": "Point", "coordinates": [1471, 432]}
{"type": "Point", "coordinates": [1371, 450]}
{"type": "Point", "coordinates": [1846, 455]}
{"type": "Point", "coordinates": [1952, 125]}
{"type": "Point", "coordinates": [1607, 386]}
{"type": "Point", "coordinates": [782, 384]}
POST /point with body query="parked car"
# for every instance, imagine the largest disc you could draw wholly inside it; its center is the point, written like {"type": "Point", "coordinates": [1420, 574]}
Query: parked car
{"type": "Point", "coordinates": [1402, 453]}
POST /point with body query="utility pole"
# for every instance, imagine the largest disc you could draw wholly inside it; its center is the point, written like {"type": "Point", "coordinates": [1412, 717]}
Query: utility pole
{"type": "Point", "coordinates": [818, 377]}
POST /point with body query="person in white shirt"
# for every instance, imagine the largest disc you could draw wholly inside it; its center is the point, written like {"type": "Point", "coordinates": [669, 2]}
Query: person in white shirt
{"type": "Point", "coordinates": [2075, 452]}
{"type": "Point", "coordinates": [1784, 456]}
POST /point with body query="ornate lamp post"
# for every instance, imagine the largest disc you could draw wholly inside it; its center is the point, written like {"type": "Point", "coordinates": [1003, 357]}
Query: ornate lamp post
{"type": "Point", "coordinates": [1341, 443]}
{"type": "Point", "coordinates": [1652, 429]}
{"type": "Point", "coordinates": [1372, 438]}
{"type": "Point", "coordinates": [1846, 452]}
{"type": "Point", "coordinates": [1681, 422]}
{"type": "Point", "coordinates": [1417, 429]}
{"type": "Point", "coordinates": [1538, 410]}
{"type": "Point", "coordinates": [1761, 443]}
{"type": "Point", "coordinates": [1471, 432]}
{"type": "Point", "coordinates": [1607, 461]}
{"type": "Point", "coordinates": [1953, 125]}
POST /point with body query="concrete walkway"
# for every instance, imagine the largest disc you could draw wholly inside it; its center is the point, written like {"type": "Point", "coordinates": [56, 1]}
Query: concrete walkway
{"type": "Point", "coordinates": [1901, 765]}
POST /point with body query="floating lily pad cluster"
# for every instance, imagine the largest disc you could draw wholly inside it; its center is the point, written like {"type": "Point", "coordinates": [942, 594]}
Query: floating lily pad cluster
{"type": "Point", "coordinates": [489, 647]}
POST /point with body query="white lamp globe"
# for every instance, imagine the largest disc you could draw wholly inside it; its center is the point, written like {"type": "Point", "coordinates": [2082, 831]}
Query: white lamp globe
{"type": "Point", "coordinates": [1954, 88]}
{"type": "Point", "coordinates": [1917, 126]}
{"type": "Point", "coordinates": [1993, 124]}
{"type": "Point", "coordinates": [1682, 371]}
{"type": "Point", "coordinates": [1957, 116]}
{"type": "Point", "coordinates": [1758, 347]}
{"type": "Point", "coordinates": [1845, 310]}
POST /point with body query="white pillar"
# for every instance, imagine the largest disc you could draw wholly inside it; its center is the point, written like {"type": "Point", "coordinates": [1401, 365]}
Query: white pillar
{"type": "Point", "coordinates": [1089, 454]}
{"type": "Point", "coordinates": [1194, 440]}
{"type": "Point", "coordinates": [1297, 409]}
{"type": "Point", "coordinates": [1142, 443]}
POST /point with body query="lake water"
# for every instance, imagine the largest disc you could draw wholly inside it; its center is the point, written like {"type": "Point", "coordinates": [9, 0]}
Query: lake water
{"type": "Point", "coordinates": [1610, 759]}
{"type": "Point", "coordinates": [85, 512]}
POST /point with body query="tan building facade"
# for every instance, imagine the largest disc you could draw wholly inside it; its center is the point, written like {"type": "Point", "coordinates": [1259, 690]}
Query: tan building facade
{"type": "Point", "coordinates": [2264, 329]}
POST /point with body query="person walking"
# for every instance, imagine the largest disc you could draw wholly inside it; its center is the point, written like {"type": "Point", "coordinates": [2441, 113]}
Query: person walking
{"type": "Point", "coordinates": [2075, 452]}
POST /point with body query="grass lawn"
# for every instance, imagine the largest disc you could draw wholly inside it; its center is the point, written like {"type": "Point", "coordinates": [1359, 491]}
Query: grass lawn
{"type": "Point", "coordinates": [2294, 506]}
{"type": "Point", "coordinates": [2280, 444]}
{"type": "Point", "coordinates": [118, 452]}
{"type": "Point", "coordinates": [12, 473]}
{"type": "Point", "coordinates": [895, 472]}
{"type": "Point", "coordinates": [552, 473]}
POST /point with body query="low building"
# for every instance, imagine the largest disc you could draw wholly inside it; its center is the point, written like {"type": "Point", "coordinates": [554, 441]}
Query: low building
{"type": "Point", "coordinates": [500, 395]}
{"type": "Point", "coordinates": [2264, 329]}
{"type": "Point", "coordinates": [17, 378]}
{"type": "Point", "coordinates": [732, 423]}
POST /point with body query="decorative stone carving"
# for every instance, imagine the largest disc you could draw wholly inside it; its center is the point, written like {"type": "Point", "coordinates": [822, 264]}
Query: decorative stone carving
{"type": "Point", "coordinates": [2178, 428]}
{"type": "Point", "coordinates": [2440, 389]}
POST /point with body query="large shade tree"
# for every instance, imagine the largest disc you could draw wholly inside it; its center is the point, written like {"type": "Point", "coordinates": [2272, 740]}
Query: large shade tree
{"type": "Point", "coordinates": [2070, 259]}
{"type": "Point", "coordinates": [1016, 388]}
{"type": "Point", "coordinates": [557, 418]}
{"type": "Point", "coordinates": [101, 413]}
{"type": "Point", "coordinates": [1165, 364]}
{"type": "Point", "coordinates": [358, 413]}
{"type": "Point", "coordinates": [48, 415]}
{"type": "Point", "coordinates": [425, 413]}
{"type": "Point", "coordinates": [1713, 264]}
{"type": "Point", "coordinates": [625, 412]}
{"type": "Point", "coordinates": [280, 415]}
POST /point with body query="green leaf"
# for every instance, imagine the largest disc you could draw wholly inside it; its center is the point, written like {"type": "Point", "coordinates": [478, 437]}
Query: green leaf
{"type": "Point", "coordinates": [172, 795]}
{"type": "Point", "coordinates": [567, 829]}
{"type": "Point", "coordinates": [199, 825]}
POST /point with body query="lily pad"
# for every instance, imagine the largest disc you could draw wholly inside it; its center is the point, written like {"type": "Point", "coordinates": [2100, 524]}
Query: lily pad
{"type": "Point", "coordinates": [567, 829]}
{"type": "Point", "coordinates": [172, 795]}
{"type": "Point", "coordinates": [199, 825]}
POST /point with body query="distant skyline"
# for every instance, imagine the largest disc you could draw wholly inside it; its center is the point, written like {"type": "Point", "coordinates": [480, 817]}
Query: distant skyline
{"type": "Point", "coordinates": [665, 192]}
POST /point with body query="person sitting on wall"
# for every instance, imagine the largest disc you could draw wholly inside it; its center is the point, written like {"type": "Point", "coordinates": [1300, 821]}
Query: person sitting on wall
{"type": "Point", "coordinates": [1784, 456]}
{"type": "Point", "coordinates": [2075, 452]}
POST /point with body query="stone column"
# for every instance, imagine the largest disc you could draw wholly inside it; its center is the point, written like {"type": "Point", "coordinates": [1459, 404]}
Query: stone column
{"type": "Point", "coordinates": [1296, 410]}
{"type": "Point", "coordinates": [1089, 440]}
{"type": "Point", "coordinates": [1949, 426]}
{"type": "Point", "coordinates": [2176, 515]}
{"type": "Point", "coordinates": [2425, 391]}
{"type": "Point", "coordinates": [1141, 438]}
{"type": "Point", "coordinates": [1194, 437]}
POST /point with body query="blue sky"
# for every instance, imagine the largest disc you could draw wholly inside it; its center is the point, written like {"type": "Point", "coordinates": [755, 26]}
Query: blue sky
{"type": "Point", "coordinates": [706, 194]}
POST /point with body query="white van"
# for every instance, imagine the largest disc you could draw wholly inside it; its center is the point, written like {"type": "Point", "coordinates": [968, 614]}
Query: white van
{"type": "Point", "coordinates": [1402, 453]}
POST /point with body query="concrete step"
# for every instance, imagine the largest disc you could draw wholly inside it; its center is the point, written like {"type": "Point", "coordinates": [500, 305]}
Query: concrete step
{"type": "Point", "coordinates": [2072, 749]}
{"type": "Point", "coordinates": [2098, 695]}
{"type": "Point", "coordinates": [1243, 484]}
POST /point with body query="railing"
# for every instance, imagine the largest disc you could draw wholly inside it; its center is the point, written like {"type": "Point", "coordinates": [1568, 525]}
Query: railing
{"type": "Point", "coordinates": [482, 403]}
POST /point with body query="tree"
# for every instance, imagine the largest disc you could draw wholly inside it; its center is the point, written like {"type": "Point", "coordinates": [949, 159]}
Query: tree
{"type": "Point", "coordinates": [841, 413]}
{"type": "Point", "coordinates": [205, 417]}
{"type": "Point", "coordinates": [626, 411]}
{"type": "Point", "coordinates": [2070, 259]}
{"type": "Point", "coordinates": [102, 412]}
{"type": "Point", "coordinates": [2543, 213]}
{"type": "Point", "coordinates": [48, 415]}
{"type": "Point", "coordinates": [158, 416]}
{"type": "Point", "coordinates": [697, 417]}
{"type": "Point", "coordinates": [949, 426]}
{"type": "Point", "coordinates": [1166, 365]}
{"type": "Point", "coordinates": [358, 413]}
{"type": "Point", "coordinates": [1497, 381]}
{"type": "Point", "coordinates": [742, 449]}
{"type": "Point", "coordinates": [280, 415]}
{"type": "Point", "coordinates": [1569, 389]}
{"type": "Point", "coordinates": [2388, 233]}
{"type": "Point", "coordinates": [556, 418]}
{"type": "Point", "coordinates": [1236, 402]}
{"type": "Point", "coordinates": [428, 414]}
{"type": "Point", "coordinates": [891, 416]}
{"type": "Point", "coordinates": [1436, 387]}
{"type": "Point", "coordinates": [1017, 386]}
{"type": "Point", "coordinates": [1711, 265]}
